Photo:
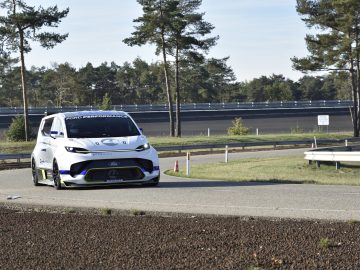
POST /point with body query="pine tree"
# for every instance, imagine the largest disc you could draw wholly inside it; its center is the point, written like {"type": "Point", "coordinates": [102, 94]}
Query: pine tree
{"type": "Point", "coordinates": [22, 24]}
{"type": "Point", "coordinates": [336, 47]}
{"type": "Point", "coordinates": [154, 29]}
{"type": "Point", "coordinates": [187, 37]}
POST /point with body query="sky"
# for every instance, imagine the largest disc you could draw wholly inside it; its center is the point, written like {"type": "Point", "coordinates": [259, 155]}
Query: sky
{"type": "Point", "coordinates": [259, 36]}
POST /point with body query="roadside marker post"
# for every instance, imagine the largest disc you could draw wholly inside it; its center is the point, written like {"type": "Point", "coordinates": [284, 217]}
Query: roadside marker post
{"type": "Point", "coordinates": [346, 143]}
{"type": "Point", "coordinates": [187, 163]}
{"type": "Point", "coordinates": [257, 132]}
{"type": "Point", "coordinates": [208, 132]}
{"type": "Point", "coordinates": [315, 143]}
{"type": "Point", "coordinates": [226, 154]}
{"type": "Point", "coordinates": [176, 166]}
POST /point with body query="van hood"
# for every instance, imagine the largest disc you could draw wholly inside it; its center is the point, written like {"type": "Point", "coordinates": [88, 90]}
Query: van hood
{"type": "Point", "coordinates": [109, 143]}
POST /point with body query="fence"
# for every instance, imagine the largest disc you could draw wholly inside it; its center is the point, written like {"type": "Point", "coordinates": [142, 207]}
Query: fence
{"type": "Point", "coordinates": [191, 106]}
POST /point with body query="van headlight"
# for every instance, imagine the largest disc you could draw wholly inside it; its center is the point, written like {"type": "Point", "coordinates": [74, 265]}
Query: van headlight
{"type": "Point", "coordinates": [143, 147]}
{"type": "Point", "coordinates": [76, 150]}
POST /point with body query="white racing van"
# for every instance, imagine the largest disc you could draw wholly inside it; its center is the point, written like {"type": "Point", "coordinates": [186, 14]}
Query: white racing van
{"type": "Point", "coordinates": [92, 148]}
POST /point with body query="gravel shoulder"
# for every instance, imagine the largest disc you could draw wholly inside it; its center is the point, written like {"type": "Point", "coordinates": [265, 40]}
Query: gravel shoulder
{"type": "Point", "coordinates": [71, 239]}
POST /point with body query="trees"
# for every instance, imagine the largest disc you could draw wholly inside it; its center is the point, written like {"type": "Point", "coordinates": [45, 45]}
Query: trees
{"type": "Point", "coordinates": [312, 88]}
{"type": "Point", "coordinates": [153, 28]}
{"type": "Point", "coordinates": [186, 37]}
{"type": "Point", "coordinates": [336, 47]}
{"type": "Point", "coordinates": [211, 80]}
{"type": "Point", "coordinates": [176, 29]}
{"type": "Point", "coordinates": [21, 24]}
{"type": "Point", "coordinates": [68, 89]}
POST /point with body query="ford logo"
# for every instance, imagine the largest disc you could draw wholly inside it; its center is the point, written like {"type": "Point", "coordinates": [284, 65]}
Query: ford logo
{"type": "Point", "coordinates": [113, 164]}
{"type": "Point", "coordinates": [110, 142]}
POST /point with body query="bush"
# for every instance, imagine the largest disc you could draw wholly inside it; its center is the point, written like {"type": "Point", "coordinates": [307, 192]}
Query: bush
{"type": "Point", "coordinates": [16, 131]}
{"type": "Point", "coordinates": [238, 128]}
{"type": "Point", "coordinates": [106, 103]}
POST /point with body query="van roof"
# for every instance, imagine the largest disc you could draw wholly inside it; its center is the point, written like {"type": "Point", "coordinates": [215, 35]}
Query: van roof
{"type": "Point", "coordinates": [88, 114]}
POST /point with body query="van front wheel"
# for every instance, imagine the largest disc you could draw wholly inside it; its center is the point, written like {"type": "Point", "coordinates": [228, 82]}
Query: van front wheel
{"type": "Point", "coordinates": [56, 176]}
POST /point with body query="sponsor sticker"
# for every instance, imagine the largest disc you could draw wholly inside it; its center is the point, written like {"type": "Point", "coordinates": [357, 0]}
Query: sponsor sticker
{"type": "Point", "coordinates": [95, 116]}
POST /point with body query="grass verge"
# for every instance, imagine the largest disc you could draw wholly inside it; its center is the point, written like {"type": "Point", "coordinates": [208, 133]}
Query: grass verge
{"type": "Point", "coordinates": [292, 169]}
{"type": "Point", "coordinates": [165, 141]}
{"type": "Point", "coordinates": [22, 147]}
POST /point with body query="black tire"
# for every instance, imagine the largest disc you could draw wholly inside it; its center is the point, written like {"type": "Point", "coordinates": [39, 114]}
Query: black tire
{"type": "Point", "coordinates": [34, 173]}
{"type": "Point", "coordinates": [153, 183]}
{"type": "Point", "coordinates": [56, 176]}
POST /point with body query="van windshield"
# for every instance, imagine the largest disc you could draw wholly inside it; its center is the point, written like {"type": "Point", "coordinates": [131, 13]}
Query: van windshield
{"type": "Point", "coordinates": [100, 126]}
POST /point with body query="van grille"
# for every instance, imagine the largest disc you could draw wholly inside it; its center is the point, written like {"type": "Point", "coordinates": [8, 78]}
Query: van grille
{"type": "Point", "coordinates": [114, 174]}
{"type": "Point", "coordinates": [85, 166]}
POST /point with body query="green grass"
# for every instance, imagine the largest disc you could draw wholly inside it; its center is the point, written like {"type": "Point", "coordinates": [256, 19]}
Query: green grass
{"type": "Point", "coordinates": [105, 211]}
{"type": "Point", "coordinates": [324, 243]}
{"type": "Point", "coordinates": [18, 147]}
{"type": "Point", "coordinates": [292, 169]}
{"type": "Point", "coordinates": [165, 141]}
{"type": "Point", "coordinates": [137, 212]}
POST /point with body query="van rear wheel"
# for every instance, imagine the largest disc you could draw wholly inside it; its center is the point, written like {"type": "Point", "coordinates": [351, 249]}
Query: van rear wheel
{"type": "Point", "coordinates": [34, 173]}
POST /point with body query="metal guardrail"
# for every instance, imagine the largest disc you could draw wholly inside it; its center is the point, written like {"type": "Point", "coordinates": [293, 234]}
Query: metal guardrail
{"type": "Point", "coordinates": [243, 145]}
{"type": "Point", "coordinates": [18, 156]}
{"type": "Point", "coordinates": [252, 144]}
{"type": "Point", "coordinates": [347, 153]}
{"type": "Point", "coordinates": [191, 106]}
{"type": "Point", "coordinates": [333, 154]}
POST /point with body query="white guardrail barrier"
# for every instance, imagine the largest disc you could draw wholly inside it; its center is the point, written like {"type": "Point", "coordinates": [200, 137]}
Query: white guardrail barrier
{"type": "Point", "coordinates": [179, 148]}
{"type": "Point", "coordinates": [333, 154]}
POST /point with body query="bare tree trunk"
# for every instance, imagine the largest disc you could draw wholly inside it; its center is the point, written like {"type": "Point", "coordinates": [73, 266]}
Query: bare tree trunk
{"type": "Point", "coordinates": [177, 94]}
{"type": "Point", "coordinates": [24, 88]}
{"type": "Point", "coordinates": [168, 90]}
{"type": "Point", "coordinates": [167, 80]}
{"type": "Point", "coordinates": [23, 80]}
{"type": "Point", "coordinates": [354, 86]}
{"type": "Point", "coordinates": [357, 94]}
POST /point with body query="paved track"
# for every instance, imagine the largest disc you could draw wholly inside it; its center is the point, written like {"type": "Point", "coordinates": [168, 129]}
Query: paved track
{"type": "Point", "coordinates": [198, 122]}
{"type": "Point", "coordinates": [266, 125]}
{"type": "Point", "coordinates": [198, 196]}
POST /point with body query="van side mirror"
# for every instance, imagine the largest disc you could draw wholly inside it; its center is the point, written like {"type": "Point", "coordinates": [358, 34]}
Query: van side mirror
{"type": "Point", "coordinates": [55, 134]}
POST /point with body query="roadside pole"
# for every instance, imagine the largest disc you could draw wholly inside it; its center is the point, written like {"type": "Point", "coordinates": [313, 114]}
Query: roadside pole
{"type": "Point", "coordinates": [188, 164]}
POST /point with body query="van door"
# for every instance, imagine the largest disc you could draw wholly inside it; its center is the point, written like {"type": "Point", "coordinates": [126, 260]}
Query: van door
{"type": "Point", "coordinates": [45, 155]}
{"type": "Point", "coordinates": [57, 134]}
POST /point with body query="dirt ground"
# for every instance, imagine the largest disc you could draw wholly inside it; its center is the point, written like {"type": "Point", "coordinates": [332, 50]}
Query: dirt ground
{"type": "Point", "coordinates": [79, 240]}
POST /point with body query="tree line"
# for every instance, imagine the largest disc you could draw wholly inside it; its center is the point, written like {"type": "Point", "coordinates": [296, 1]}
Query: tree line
{"type": "Point", "coordinates": [182, 38]}
{"type": "Point", "coordinates": [140, 82]}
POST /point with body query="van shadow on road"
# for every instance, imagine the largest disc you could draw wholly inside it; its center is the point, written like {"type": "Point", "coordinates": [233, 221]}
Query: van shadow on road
{"type": "Point", "coordinates": [215, 184]}
{"type": "Point", "coordinates": [194, 184]}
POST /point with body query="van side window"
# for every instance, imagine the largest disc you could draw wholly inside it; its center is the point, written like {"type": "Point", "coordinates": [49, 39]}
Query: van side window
{"type": "Point", "coordinates": [57, 128]}
{"type": "Point", "coordinates": [47, 127]}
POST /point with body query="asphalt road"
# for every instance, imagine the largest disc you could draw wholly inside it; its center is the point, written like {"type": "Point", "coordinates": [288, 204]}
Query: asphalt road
{"type": "Point", "coordinates": [266, 125]}
{"type": "Point", "coordinates": [198, 196]}
{"type": "Point", "coordinates": [197, 122]}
